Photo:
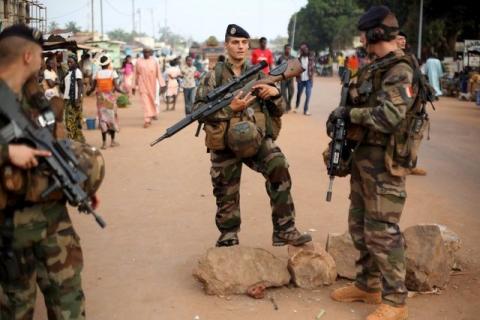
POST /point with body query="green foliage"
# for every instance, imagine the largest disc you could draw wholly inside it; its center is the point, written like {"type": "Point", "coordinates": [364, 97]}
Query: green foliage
{"type": "Point", "coordinates": [122, 35]}
{"type": "Point", "coordinates": [325, 24]}
{"type": "Point", "coordinates": [212, 41]}
{"type": "Point", "coordinates": [53, 25]}
{"type": "Point", "coordinates": [72, 27]}
{"type": "Point", "coordinates": [123, 101]}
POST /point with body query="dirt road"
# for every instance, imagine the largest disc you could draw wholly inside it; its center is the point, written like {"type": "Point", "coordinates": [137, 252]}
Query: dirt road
{"type": "Point", "coordinates": [159, 208]}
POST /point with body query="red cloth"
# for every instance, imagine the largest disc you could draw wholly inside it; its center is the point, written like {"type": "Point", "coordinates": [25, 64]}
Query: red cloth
{"type": "Point", "coordinates": [260, 55]}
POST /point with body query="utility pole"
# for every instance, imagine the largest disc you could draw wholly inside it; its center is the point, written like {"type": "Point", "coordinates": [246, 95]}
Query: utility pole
{"type": "Point", "coordinates": [293, 31]}
{"type": "Point", "coordinates": [133, 16]}
{"type": "Point", "coordinates": [420, 23]}
{"type": "Point", "coordinates": [153, 23]}
{"type": "Point", "coordinates": [93, 22]}
{"type": "Point", "coordinates": [101, 18]}
{"type": "Point", "coordinates": [139, 20]}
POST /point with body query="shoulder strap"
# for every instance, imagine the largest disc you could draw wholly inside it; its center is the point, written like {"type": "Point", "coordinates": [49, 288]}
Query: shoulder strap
{"type": "Point", "coordinates": [218, 74]}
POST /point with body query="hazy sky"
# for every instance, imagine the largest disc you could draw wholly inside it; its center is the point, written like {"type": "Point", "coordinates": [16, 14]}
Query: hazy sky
{"type": "Point", "coordinates": [191, 18]}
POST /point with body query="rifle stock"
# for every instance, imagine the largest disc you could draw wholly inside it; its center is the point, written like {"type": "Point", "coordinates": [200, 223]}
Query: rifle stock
{"type": "Point", "coordinates": [223, 95]}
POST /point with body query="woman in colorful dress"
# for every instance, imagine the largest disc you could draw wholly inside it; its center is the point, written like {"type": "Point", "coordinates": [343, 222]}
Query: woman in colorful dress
{"type": "Point", "coordinates": [73, 101]}
{"type": "Point", "coordinates": [105, 82]}
{"type": "Point", "coordinates": [128, 70]}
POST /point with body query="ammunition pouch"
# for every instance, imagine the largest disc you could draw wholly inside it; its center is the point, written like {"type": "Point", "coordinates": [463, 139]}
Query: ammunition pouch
{"type": "Point", "coordinates": [215, 135]}
{"type": "Point", "coordinates": [402, 148]}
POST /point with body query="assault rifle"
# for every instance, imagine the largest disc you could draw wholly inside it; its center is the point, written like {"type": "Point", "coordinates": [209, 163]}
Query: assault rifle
{"type": "Point", "coordinates": [222, 96]}
{"type": "Point", "coordinates": [62, 164]}
{"type": "Point", "coordinates": [339, 138]}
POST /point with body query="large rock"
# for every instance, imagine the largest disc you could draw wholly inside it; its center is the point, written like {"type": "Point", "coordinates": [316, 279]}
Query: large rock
{"type": "Point", "coordinates": [426, 257]}
{"type": "Point", "coordinates": [452, 244]}
{"type": "Point", "coordinates": [311, 267]}
{"type": "Point", "coordinates": [341, 248]}
{"type": "Point", "coordinates": [233, 270]}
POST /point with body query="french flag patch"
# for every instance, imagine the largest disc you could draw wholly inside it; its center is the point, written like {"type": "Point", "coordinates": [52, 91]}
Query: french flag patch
{"type": "Point", "coordinates": [409, 90]}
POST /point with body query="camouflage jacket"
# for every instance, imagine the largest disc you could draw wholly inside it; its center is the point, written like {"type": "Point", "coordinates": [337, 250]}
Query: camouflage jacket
{"type": "Point", "coordinates": [267, 113]}
{"type": "Point", "coordinates": [381, 97]}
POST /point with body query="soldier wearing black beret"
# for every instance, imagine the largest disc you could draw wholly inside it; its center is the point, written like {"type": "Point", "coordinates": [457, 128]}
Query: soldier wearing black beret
{"type": "Point", "coordinates": [228, 154]}
{"type": "Point", "coordinates": [383, 101]}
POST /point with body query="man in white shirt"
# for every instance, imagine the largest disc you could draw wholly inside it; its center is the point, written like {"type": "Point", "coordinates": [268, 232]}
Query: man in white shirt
{"type": "Point", "coordinates": [305, 80]}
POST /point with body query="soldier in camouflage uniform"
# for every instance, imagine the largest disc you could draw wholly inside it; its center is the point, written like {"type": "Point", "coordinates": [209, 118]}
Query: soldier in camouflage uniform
{"type": "Point", "coordinates": [266, 109]}
{"type": "Point", "coordinates": [38, 244]}
{"type": "Point", "coordinates": [381, 108]}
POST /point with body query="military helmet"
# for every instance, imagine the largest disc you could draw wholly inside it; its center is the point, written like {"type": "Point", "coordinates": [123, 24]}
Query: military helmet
{"type": "Point", "coordinates": [91, 162]}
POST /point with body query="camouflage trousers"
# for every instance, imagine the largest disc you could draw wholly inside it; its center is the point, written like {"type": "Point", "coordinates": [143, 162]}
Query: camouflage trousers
{"type": "Point", "coordinates": [226, 172]}
{"type": "Point", "coordinates": [48, 254]}
{"type": "Point", "coordinates": [376, 202]}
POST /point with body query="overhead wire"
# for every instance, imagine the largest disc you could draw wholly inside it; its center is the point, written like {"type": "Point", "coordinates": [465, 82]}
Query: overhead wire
{"type": "Point", "coordinates": [116, 10]}
{"type": "Point", "coordinates": [71, 12]}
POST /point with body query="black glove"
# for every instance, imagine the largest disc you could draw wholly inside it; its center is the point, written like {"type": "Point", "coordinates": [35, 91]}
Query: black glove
{"type": "Point", "coordinates": [339, 113]}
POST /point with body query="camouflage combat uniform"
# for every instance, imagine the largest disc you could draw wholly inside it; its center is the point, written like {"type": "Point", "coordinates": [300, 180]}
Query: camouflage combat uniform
{"type": "Point", "coordinates": [227, 168]}
{"type": "Point", "coordinates": [377, 196]}
{"type": "Point", "coordinates": [47, 252]}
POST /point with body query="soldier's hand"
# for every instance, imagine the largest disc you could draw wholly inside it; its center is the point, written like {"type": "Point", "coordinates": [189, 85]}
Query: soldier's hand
{"type": "Point", "coordinates": [25, 157]}
{"type": "Point", "coordinates": [238, 103]}
{"type": "Point", "coordinates": [266, 91]}
{"type": "Point", "coordinates": [339, 113]}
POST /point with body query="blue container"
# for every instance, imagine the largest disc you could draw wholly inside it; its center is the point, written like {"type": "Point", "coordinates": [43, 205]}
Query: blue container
{"type": "Point", "coordinates": [91, 123]}
{"type": "Point", "coordinates": [478, 98]}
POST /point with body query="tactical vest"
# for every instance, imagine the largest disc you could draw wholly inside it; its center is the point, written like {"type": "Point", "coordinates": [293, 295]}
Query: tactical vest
{"type": "Point", "coordinates": [401, 146]}
{"type": "Point", "coordinates": [216, 132]}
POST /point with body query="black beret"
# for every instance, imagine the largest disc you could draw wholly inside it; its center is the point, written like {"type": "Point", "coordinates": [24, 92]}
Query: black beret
{"type": "Point", "coordinates": [22, 31]}
{"type": "Point", "coordinates": [236, 31]}
{"type": "Point", "coordinates": [401, 33]}
{"type": "Point", "coordinates": [372, 18]}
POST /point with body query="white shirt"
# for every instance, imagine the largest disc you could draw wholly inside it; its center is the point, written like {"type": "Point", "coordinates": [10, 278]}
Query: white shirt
{"type": "Point", "coordinates": [106, 74]}
{"type": "Point", "coordinates": [50, 92]}
{"type": "Point", "coordinates": [304, 76]}
{"type": "Point", "coordinates": [68, 77]}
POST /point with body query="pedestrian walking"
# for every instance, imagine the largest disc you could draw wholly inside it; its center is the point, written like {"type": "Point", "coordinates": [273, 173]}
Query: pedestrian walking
{"type": "Point", "coordinates": [434, 72]}
{"type": "Point", "coordinates": [263, 54]}
{"type": "Point", "coordinates": [128, 71]}
{"type": "Point", "coordinates": [147, 73]}
{"type": "Point", "coordinates": [106, 83]}
{"type": "Point", "coordinates": [73, 97]}
{"type": "Point", "coordinates": [305, 80]}
{"type": "Point", "coordinates": [173, 73]}
{"type": "Point", "coordinates": [287, 87]}
{"type": "Point", "coordinates": [189, 85]}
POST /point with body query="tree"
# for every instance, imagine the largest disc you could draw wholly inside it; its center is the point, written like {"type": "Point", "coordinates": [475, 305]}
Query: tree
{"type": "Point", "coordinates": [122, 35]}
{"type": "Point", "coordinates": [444, 23]}
{"type": "Point", "coordinates": [212, 41]}
{"type": "Point", "coordinates": [53, 26]}
{"type": "Point", "coordinates": [72, 27]}
{"type": "Point", "coordinates": [325, 24]}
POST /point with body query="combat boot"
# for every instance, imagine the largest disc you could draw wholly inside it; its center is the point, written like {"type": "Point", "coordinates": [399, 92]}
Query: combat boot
{"type": "Point", "coordinates": [352, 293]}
{"type": "Point", "coordinates": [418, 172]}
{"type": "Point", "coordinates": [388, 312]}
{"type": "Point", "coordinates": [293, 237]}
{"type": "Point", "coordinates": [228, 239]}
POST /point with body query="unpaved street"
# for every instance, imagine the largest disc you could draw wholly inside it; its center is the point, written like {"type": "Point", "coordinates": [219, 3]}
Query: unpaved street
{"type": "Point", "coordinates": [159, 207]}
